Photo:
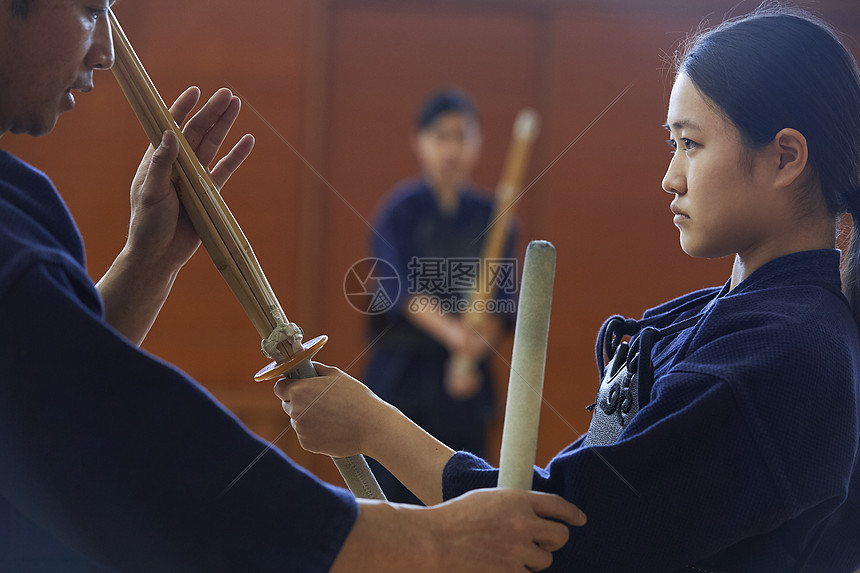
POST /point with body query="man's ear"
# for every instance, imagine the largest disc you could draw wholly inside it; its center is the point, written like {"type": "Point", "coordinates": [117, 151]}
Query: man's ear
{"type": "Point", "coordinates": [790, 149]}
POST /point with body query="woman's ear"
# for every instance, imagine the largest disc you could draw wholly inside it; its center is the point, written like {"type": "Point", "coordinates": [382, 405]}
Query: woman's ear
{"type": "Point", "coordinates": [793, 155]}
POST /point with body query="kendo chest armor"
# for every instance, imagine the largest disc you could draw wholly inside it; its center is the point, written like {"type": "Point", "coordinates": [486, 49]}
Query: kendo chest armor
{"type": "Point", "coordinates": [617, 400]}
{"type": "Point", "coordinates": [627, 377]}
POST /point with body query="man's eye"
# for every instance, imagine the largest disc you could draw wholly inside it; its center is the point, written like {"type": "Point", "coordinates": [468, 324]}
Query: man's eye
{"type": "Point", "coordinates": [97, 13]}
{"type": "Point", "coordinates": [673, 145]}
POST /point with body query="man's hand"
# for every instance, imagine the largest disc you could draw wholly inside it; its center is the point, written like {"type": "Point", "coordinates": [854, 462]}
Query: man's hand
{"type": "Point", "coordinates": [159, 228]}
{"type": "Point", "coordinates": [488, 531]}
{"type": "Point", "coordinates": [501, 530]}
{"type": "Point", "coordinates": [161, 238]}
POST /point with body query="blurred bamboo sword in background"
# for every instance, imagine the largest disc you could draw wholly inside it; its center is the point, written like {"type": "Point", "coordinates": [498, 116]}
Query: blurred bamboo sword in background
{"type": "Point", "coordinates": [462, 369]}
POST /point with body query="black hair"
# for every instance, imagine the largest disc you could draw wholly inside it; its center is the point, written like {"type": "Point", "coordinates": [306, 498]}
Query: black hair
{"type": "Point", "coordinates": [783, 68]}
{"type": "Point", "coordinates": [442, 102]}
{"type": "Point", "coordinates": [21, 8]}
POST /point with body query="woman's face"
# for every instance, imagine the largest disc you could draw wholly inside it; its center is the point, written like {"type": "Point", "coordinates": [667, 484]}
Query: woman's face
{"type": "Point", "coordinates": [720, 204]}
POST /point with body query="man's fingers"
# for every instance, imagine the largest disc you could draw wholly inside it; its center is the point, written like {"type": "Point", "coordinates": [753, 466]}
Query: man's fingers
{"type": "Point", "coordinates": [231, 162]}
{"type": "Point", "coordinates": [552, 535]}
{"type": "Point", "coordinates": [209, 126]}
{"type": "Point", "coordinates": [162, 160]}
{"type": "Point", "coordinates": [218, 130]}
{"type": "Point", "coordinates": [206, 130]}
{"type": "Point", "coordinates": [537, 558]}
{"type": "Point", "coordinates": [184, 104]}
{"type": "Point", "coordinates": [555, 507]}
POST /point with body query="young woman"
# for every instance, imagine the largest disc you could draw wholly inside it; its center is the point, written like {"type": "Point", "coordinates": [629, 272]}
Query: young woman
{"type": "Point", "coordinates": [725, 434]}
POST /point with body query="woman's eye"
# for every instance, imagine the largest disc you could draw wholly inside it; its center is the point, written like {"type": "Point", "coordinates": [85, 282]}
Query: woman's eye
{"type": "Point", "coordinates": [689, 144]}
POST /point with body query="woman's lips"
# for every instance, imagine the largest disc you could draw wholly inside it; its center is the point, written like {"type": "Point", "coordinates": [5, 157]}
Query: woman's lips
{"type": "Point", "coordinates": [680, 216]}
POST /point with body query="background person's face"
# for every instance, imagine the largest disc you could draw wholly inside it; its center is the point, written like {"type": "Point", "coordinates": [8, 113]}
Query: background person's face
{"type": "Point", "coordinates": [449, 148]}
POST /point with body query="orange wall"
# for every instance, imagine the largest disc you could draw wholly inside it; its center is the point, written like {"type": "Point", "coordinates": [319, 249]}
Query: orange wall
{"type": "Point", "coordinates": [340, 82]}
